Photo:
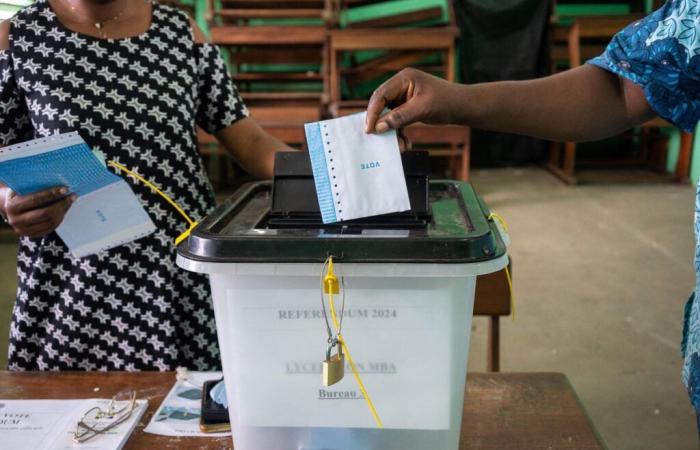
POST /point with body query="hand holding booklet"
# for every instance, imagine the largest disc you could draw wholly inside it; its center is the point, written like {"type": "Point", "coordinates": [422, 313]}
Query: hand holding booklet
{"type": "Point", "coordinates": [356, 174]}
{"type": "Point", "coordinates": [106, 212]}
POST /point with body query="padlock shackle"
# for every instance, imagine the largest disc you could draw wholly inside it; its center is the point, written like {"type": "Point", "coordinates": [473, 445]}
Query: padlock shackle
{"type": "Point", "coordinates": [332, 344]}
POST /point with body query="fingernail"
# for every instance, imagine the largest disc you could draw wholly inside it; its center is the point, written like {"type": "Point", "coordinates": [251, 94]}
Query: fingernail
{"type": "Point", "coordinates": [73, 197]}
{"type": "Point", "coordinates": [62, 191]}
{"type": "Point", "coordinates": [382, 127]}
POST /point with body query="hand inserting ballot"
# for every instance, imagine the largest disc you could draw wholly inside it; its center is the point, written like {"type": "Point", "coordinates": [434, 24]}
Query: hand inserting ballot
{"type": "Point", "coordinates": [35, 215]}
{"type": "Point", "coordinates": [415, 96]}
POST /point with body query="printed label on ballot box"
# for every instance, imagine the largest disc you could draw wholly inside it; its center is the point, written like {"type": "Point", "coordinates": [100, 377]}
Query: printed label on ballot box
{"type": "Point", "coordinates": [399, 339]}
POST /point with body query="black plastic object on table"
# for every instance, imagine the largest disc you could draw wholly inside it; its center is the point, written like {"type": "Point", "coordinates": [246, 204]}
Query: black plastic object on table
{"type": "Point", "coordinates": [281, 222]}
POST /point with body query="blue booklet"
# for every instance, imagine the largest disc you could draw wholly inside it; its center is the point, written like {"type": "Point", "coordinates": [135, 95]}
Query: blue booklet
{"type": "Point", "coordinates": [106, 212]}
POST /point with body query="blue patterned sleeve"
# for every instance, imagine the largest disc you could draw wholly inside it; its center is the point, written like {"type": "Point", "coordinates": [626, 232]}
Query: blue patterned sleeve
{"type": "Point", "coordinates": [14, 115]}
{"type": "Point", "coordinates": [661, 53]}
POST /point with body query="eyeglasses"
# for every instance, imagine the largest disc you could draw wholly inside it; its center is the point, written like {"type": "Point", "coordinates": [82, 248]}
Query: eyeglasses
{"type": "Point", "coordinates": [183, 375]}
{"type": "Point", "coordinates": [98, 420]}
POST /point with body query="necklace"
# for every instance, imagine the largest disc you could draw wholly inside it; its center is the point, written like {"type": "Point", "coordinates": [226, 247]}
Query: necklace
{"type": "Point", "coordinates": [99, 25]}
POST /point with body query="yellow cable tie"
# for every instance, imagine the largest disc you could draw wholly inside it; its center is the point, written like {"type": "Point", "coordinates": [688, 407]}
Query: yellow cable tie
{"type": "Point", "coordinates": [185, 234]}
{"type": "Point", "coordinates": [154, 188]}
{"type": "Point", "coordinates": [355, 372]}
{"type": "Point", "coordinates": [500, 219]}
{"type": "Point", "coordinates": [503, 223]}
{"type": "Point", "coordinates": [333, 315]}
{"type": "Point", "coordinates": [512, 295]}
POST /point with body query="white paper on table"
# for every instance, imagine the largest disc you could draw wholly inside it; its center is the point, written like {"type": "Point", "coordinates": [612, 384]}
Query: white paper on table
{"type": "Point", "coordinates": [50, 424]}
{"type": "Point", "coordinates": [114, 439]}
{"type": "Point", "coordinates": [35, 423]}
{"type": "Point", "coordinates": [179, 413]}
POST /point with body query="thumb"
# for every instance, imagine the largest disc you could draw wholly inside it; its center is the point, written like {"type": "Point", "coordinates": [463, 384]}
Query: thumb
{"type": "Point", "coordinates": [399, 117]}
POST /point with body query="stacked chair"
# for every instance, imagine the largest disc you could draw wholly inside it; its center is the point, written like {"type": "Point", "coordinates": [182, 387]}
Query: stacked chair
{"type": "Point", "coordinates": [366, 51]}
{"type": "Point", "coordinates": [298, 61]}
{"type": "Point", "coordinates": [277, 55]}
{"type": "Point", "coordinates": [577, 39]}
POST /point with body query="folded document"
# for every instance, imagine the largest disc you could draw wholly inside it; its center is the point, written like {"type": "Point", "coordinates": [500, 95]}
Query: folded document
{"type": "Point", "coordinates": [106, 212]}
{"type": "Point", "coordinates": [356, 174]}
{"type": "Point", "coordinates": [50, 424]}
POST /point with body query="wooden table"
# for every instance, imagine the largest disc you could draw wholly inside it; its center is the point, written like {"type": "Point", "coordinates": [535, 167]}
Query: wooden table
{"type": "Point", "coordinates": [501, 411]}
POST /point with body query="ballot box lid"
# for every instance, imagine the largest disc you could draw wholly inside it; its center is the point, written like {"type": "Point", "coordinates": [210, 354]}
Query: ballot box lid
{"type": "Point", "coordinates": [458, 229]}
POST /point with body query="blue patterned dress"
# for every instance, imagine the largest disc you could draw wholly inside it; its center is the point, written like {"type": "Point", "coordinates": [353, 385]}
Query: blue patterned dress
{"type": "Point", "coordinates": [661, 53]}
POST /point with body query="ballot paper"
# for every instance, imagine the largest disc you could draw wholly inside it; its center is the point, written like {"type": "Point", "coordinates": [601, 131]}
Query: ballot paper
{"type": "Point", "coordinates": [50, 424]}
{"type": "Point", "coordinates": [356, 174]}
{"type": "Point", "coordinates": [106, 212]}
{"type": "Point", "coordinates": [179, 413]}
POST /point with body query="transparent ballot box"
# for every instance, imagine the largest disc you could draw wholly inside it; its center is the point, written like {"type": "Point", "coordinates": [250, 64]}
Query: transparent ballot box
{"type": "Point", "coordinates": [407, 283]}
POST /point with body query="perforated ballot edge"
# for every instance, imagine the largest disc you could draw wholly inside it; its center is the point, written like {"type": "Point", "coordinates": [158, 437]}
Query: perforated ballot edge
{"type": "Point", "coordinates": [40, 145]}
{"type": "Point", "coordinates": [314, 141]}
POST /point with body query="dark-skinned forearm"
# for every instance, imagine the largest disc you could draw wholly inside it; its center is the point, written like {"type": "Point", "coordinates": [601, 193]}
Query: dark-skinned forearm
{"type": "Point", "coordinates": [582, 104]}
{"type": "Point", "coordinates": [252, 147]}
{"type": "Point", "coordinates": [260, 161]}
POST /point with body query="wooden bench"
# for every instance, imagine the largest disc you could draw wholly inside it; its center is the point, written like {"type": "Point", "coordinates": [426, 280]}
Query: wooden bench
{"type": "Point", "coordinates": [401, 19]}
{"type": "Point", "coordinates": [274, 63]}
{"type": "Point", "coordinates": [268, 35]}
{"type": "Point", "coordinates": [402, 48]}
{"type": "Point", "coordinates": [399, 41]}
{"type": "Point", "coordinates": [493, 299]}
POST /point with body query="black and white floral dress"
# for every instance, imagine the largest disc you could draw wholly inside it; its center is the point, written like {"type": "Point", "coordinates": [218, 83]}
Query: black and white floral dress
{"type": "Point", "coordinates": [138, 100]}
